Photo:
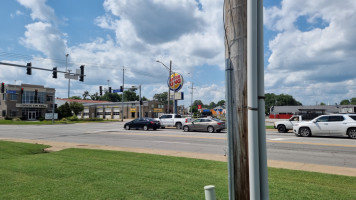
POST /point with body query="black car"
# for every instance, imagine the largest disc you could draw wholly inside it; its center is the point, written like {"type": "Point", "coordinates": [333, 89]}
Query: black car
{"type": "Point", "coordinates": [143, 123]}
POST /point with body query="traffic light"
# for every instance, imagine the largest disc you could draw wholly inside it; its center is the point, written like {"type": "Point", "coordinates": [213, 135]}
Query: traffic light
{"type": "Point", "coordinates": [81, 78]}
{"type": "Point", "coordinates": [121, 89]}
{"type": "Point", "coordinates": [141, 102]}
{"type": "Point", "coordinates": [36, 92]}
{"type": "Point", "coordinates": [100, 90]}
{"type": "Point", "coordinates": [29, 69]}
{"type": "Point", "coordinates": [54, 73]}
{"type": "Point", "coordinates": [109, 89]}
{"type": "Point", "coordinates": [2, 87]}
{"type": "Point", "coordinates": [21, 91]}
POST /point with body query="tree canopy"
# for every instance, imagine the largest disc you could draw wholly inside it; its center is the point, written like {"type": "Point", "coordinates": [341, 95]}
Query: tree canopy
{"type": "Point", "coordinates": [279, 100]}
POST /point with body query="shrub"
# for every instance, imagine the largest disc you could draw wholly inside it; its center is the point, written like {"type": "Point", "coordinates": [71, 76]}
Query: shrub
{"type": "Point", "coordinates": [16, 119]}
{"type": "Point", "coordinates": [73, 118]}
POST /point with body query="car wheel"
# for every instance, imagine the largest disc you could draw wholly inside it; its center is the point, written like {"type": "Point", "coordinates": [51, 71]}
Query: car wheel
{"type": "Point", "coordinates": [145, 127]}
{"type": "Point", "coordinates": [179, 125]}
{"type": "Point", "coordinates": [352, 133]}
{"type": "Point", "coordinates": [305, 132]}
{"type": "Point", "coordinates": [218, 131]}
{"type": "Point", "coordinates": [154, 129]}
{"type": "Point", "coordinates": [210, 129]}
{"type": "Point", "coordinates": [163, 127]}
{"type": "Point", "coordinates": [186, 128]}
{"type": "Point", "coordinates": [127, 127]}
{"type": "Point", "coordinates": [282, 129]}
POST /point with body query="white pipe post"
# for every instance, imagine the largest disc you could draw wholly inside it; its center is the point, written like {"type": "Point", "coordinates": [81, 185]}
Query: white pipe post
{"type": "Point", "coordinates": [261, 106]}
{"type": "Point", "coordinates": [231, 119]}
{"type": "Point", "coordinates": [210, 192]}
{"type": "Point", "coordinates": [252, 102]}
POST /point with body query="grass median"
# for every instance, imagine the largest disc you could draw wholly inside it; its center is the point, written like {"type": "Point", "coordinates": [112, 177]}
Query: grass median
{"type": "Point", "coordinates": [27, 172]}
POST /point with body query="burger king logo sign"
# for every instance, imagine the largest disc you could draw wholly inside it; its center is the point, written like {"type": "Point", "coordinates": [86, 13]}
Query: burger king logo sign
{"type": "Point", "coordinates": [175, 82]}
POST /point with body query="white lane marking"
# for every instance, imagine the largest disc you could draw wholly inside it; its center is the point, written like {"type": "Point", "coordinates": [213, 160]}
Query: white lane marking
{"type": "Point", "coordinates": [281, 139]}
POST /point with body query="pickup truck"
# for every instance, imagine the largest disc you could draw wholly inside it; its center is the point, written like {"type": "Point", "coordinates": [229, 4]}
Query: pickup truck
{"type": "Point", "coordinates": [173, 120]}
{"type": "Point", "coordinates": [286, 125]}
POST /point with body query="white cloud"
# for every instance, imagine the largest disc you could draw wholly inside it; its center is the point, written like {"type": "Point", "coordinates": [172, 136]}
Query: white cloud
{"type": "Point", "coordinates": [40, 11]}
{"type": "Point", "coordinates": [318, 51]}
{"type": "Point", "coordinates": [45, 38]}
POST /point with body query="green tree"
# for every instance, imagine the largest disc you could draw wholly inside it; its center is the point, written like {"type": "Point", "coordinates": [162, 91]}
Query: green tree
{"type": "Point", "coordinates": [130, 96]}
{"type": "Point", "coordinates": [212, 105]}
{"type": "Point", "coordinates": [161, 97]}
{"type": "Point", "coordinates": [322, 104]}
{"type": "Point", "coordinates": [221, 103]}
{"type": "Point", "coordinates": [76, 107]}
{"type": "Point", "coordinates": [64, 111]}
{"type": "Point", "coordinates": [75, 97]}
{"type": "Point", "coordinates": [353, 101]}
{"type": "Point", "coordinates": [279, 100]}
{"type": "Point", "coordinates": [85, 94]}
{"type": "Point", "coordinates": [345, 102]}
{"type": "Point", "coordinates": [113, 97]}
{"type": "Point", "coordinates": [95, 96]}
{"type": "Point", "coordinates": [198, 102]}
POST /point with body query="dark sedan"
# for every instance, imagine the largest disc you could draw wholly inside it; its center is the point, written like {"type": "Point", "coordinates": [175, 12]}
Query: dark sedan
{"type": "Point", "coordinates": [143, 123]}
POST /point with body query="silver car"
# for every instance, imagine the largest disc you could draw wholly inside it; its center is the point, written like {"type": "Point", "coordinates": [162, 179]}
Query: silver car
{"type": "Point", "coordinates": [205, 124]}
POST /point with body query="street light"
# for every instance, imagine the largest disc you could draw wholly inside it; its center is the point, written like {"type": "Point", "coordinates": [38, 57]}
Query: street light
{"type": "Point", "coordinates": [170, 72]}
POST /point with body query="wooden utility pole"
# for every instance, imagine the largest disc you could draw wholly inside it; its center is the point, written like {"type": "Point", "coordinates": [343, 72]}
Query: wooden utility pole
{"type": "Point", "coordinates": [235, 25]}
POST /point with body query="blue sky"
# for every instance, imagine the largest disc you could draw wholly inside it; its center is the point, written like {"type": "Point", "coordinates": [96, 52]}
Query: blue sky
{"type": "Point", "coordinates": [309, 45]}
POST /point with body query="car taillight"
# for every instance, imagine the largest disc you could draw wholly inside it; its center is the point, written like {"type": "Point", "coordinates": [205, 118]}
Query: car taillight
{"type": "Point", "coordinates": [186, 120]}
{"type": "Point", "coordinates": [152, 122]}
{"type": "Point", "coordinates": [219, 123]}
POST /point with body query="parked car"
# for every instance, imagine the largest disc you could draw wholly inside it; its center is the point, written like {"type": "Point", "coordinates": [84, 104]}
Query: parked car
{"type": "Point", "coordinates": [143, 123]}
{"type": "Point", "coordinates": [205, 124]}
{"type": "Point", "coordinates": [286, 125]}
{"type": "Point", "coordinates": [173, 120]}
{"type": "Point", "coordinates": [328, 125]}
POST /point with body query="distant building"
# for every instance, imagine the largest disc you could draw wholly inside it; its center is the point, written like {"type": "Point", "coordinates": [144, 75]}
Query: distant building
{"type": "Point", "coordinates": [309, 112]}
{"type": "Point", "coordinates": [25, 101]}
{"type": "Point", "coordinates": [112, 110]}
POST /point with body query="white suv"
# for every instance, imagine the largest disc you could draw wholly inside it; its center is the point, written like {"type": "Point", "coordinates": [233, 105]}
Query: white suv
{"type": "Point", "coordinates": [328, 125]}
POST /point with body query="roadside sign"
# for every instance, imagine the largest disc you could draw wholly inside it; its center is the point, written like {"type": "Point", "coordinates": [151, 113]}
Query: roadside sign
{"type": "Point", "coordinates": [71, 76]}
{"type": "Point", "coordinates": [50, 115]}
{"type": "Point", "coordinates": [175, 82]}
{"type": "Point", "coordinates": [117, 91]}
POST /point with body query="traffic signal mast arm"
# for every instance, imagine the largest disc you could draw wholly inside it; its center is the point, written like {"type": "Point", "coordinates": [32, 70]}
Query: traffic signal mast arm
{"type": "Point", "coordinates": [39, 68]}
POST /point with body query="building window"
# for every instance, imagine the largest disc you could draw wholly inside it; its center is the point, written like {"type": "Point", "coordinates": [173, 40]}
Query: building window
{"type": "Point", "coordinates": [4, 113]}
{"type": "Point", "coordinates": [116, 113]}
{"type": "Point", "coordinates": [28, 97]}
{"type": "Point", "coordinates": [13, 97]}
{"type": "Point", "coordinates": [13, 113]}
{"type": "Point", "coordinates": [107, 113]}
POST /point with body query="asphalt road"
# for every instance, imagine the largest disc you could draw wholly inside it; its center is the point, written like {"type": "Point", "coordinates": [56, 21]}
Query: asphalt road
{"type": "Point", "coordinates": [340, 152]}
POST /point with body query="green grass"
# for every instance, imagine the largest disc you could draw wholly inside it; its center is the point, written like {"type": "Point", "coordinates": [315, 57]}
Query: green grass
{"type": "Point", "coordinates": [26, 172]}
